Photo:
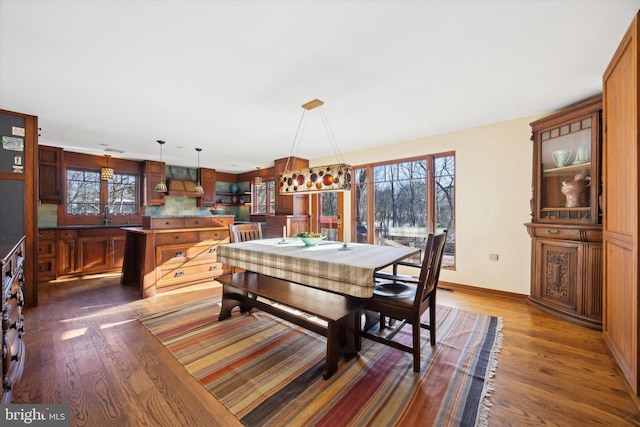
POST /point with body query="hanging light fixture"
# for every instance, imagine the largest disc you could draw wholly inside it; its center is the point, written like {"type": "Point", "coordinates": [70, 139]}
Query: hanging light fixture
{"type": "Point", "coordinates": [257, 180]}
{"type": "Point", "coordinates": [161, 187]}
{"type": "Point", "coordinates": [335, 177]}
{"type": "Point", "coordinates": [198, 189]}
{"type": "Point", "coordinates": [106, 172]}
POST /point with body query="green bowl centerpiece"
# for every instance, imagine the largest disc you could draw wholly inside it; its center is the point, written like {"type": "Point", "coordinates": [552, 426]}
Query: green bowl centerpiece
{"type": "Point", "coordinates": [309, 238]}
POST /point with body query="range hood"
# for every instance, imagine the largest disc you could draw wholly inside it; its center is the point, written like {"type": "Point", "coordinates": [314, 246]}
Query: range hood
{"type": "Point", "coordinates": [181, 181]}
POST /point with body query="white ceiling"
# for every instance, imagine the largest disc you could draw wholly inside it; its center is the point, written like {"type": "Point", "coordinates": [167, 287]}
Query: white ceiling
{"type": "Point", "coordinates": [230, 76]}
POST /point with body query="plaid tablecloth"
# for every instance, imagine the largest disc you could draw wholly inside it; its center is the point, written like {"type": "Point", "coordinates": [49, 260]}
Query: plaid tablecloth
{"type": "Point", "coordinates": [323, 266]}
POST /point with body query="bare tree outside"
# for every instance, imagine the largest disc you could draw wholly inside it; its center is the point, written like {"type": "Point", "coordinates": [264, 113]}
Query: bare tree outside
{"type": "Point", "coordinates": [84, 193]}
{"type": "Point", "coordinates": [411, 198]}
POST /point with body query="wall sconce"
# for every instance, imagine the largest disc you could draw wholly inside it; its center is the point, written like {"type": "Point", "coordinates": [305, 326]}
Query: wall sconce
{"type": "Point", "coordinates": [336, 177]}
{"type": "Point", "coordinates": [198, 189]}
{"type": "Point", "coordinates": [106, 172]}
{"type": "Point", "coordinates": [161, 187]}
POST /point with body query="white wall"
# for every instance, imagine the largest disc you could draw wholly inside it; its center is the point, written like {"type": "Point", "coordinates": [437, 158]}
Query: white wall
{"type": "Point", "coordinates": [493, 185]}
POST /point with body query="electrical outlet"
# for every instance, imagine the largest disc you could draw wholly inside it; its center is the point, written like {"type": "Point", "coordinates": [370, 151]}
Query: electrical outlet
{"type": "Point", "coordinates": [493, 257]}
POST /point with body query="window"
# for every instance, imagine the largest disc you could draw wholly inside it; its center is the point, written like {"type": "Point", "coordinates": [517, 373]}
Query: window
{"type": "Point", "coordinates": [263, 199]}
{"type": "Point", "coordinates": [400, 202]}
{"type": "Point", "coordinates": [121, 193]}
{"type": "Point", "coordinates": [83, 192]}
{"type": "Point", "coordinates": [87, 194]}
{"type": "Point", "coordinates": [328, 218]}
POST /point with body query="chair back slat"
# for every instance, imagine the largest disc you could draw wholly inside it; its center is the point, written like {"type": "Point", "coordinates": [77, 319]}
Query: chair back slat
{"type": "Point", "coordinates": [245, 232]}
{"type": "Point", "coordinates": [430, 270]}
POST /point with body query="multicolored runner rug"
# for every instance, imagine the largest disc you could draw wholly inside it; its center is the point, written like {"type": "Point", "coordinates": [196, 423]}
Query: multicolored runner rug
{"type": "Point", "coordinates": [268, 372]}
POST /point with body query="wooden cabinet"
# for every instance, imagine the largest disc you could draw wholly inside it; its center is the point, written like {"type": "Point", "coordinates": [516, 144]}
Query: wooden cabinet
{"type": "Point", "coordinates": [81, 250]}
{"type": "Point", "coordinates": [101, 253]}
{"type": "Point", "coordinates": [154, 172]}
{"type": "Point", "coordinates": [47, 255]}
{"type": "Point", "coordinates": [621, 200]}
{"type": "Point", "coordinates": [13, 349]}
{"type": "Point", "coordinates": [66, 252]}
{"type": "Point", "coordinates": [294, 224]}
{"type": "Point", "coordinates": [159, 259]}
{"type": "Point", "coordinates": [292, 211]}
{"type": "Point", "coordinates": [296, 204]}
{"type": "Point", "coordinates": [566, 230]}
{"type": "Point", "coordinates": [50, 179]}
{"type": "Point", "coordinates": [208, 183]}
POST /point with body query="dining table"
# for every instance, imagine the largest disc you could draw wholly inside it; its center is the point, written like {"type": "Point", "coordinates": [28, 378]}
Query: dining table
{"type": "Point", "coordinates": [346, 269]}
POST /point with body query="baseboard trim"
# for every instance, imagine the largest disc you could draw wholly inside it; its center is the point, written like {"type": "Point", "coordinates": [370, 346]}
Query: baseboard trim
{"type": "Point", "coordinates": [494, 292]}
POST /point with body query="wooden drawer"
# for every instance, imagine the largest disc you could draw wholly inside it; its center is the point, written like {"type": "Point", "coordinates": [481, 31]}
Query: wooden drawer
{"type": "Point", "coordinates": [162, 223]}
{"type": "Point", "coordinates": [46, 269]}
{"type": "Point", "coordinates": [558, 233]}
{"type": "Point", "coordinates": [221, 221]}
{"type": "Point", "coordinates": [46, 248]}
{"type": "Point", "coordinates": [67, 234]}
{"type": "Point", "coordinates": [200, 222]}
{"type": "Point", "coordinates": [217, 237]}
{"type": "Point", "coordinates": [185, 253]}
{"type": "Point", "coordinates": [171, 275]}
{"type": "Point", "coordinates": [47, 234]}
{"type": "Point", "coordinates": [177, 237]}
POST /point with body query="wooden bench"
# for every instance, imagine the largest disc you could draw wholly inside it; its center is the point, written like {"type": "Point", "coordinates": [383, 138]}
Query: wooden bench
{"type": "Point", "coordinates": [341, 313]}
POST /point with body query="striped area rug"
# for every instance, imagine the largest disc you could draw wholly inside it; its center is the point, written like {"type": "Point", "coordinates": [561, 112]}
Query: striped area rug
{"type": "Point", "coordinates": [268, 372]}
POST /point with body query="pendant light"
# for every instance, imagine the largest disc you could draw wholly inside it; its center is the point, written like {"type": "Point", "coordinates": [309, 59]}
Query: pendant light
{"type": "Point", "coordinates": [161, 187]}
{"type": "Point", "coordinates": [198, 189]}
{"type": "Point", "coordinates": [106, 173]}
{"type": "Point", "coordinates": [335, 177]}
{"type": "Point", "coordinates": [257, 180]}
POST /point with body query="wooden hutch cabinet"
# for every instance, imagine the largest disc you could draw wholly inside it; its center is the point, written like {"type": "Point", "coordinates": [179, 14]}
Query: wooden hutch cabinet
{"type": "Point", "coordinates": [566, 226]}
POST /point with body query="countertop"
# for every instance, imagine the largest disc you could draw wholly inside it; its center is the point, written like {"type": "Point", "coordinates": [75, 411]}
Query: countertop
{"type": "Point", "coordinates": [75, 227]}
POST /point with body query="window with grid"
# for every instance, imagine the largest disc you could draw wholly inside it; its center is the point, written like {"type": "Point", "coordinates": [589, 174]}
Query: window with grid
{"type": "Point", "coordinates": [263, 199]}
{"type": "Point", "coordinates": [87, 193]}
{"type": "Point", "coordinates": [400, 202]}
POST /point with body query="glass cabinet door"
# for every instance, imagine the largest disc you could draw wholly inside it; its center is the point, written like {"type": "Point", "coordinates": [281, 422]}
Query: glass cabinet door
{"type": "Point", "coordinates": [566, 177]}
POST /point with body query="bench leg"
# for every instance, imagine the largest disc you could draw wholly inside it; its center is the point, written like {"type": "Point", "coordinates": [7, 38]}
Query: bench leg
{"type": "Point", "coordinates": [334, 349]}
{"type": "Point", "coordinates": [232, 297]}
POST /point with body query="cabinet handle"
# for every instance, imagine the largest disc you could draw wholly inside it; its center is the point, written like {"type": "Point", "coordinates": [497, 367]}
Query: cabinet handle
{"type": "Point", "coordinates": [212, 250]}
{"type": "Point", "coordinates": [213, 267]}
{"type": "Point", "coordinates": [554, 232]}
{"type": "Point", "coordinates": [180, 254]}
{"type": "Point", "coordinates": [179, 273]}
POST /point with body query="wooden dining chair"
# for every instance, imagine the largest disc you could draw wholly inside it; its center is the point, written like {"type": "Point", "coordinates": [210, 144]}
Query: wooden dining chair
{"type": "Point", "coordinates": [405, 298]}
{"type": "Point", "coordinates": [245, 232]}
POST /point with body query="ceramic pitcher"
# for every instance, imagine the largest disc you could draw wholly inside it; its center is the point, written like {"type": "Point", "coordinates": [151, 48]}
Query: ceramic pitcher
{"type": "Point", "coordinates": [574, 190]}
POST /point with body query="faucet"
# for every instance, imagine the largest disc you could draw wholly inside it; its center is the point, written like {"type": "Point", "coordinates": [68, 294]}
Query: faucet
{"type": "Point", "coordinates": [107, 220]}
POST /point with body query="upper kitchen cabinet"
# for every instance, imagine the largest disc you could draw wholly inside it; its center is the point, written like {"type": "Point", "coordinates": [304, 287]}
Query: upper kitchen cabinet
{"type": "Point", "coordinates": [154, 173]}
{"type": "Point", "coordinates": [208, 183]}
{"type": "Point", "coordinates": [50, 174]}
{"type": "Point", "coordinates": [295, 204]}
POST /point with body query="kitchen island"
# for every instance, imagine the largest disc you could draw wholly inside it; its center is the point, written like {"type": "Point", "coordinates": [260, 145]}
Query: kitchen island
{"type": "Point", "coordinates": [168, 253]}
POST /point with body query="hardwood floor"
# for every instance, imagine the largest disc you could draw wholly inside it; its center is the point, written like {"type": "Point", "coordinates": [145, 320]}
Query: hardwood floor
{"type": "Point", "coordinates": [85, 348]}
